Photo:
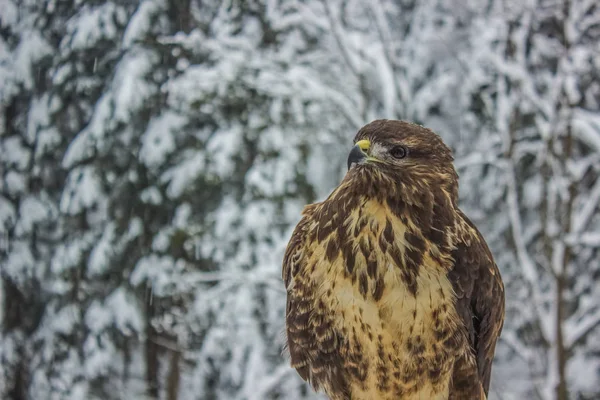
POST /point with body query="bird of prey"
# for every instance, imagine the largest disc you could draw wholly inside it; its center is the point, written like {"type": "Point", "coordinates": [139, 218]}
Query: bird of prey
{"type": "Point", "coordinates": [392, 292]}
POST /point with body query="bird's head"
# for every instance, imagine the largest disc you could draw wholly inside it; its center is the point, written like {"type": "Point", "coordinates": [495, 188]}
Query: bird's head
{"type": "Point", "coordinates": [403, 157]}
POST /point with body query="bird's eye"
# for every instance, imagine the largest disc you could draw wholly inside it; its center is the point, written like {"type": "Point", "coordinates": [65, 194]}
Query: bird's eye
{"type": "Point", "coordinates": [399, 151]}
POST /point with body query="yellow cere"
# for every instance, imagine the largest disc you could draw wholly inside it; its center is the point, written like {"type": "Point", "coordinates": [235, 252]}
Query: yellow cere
{"type": "Point", "coordinates": [364, 144]}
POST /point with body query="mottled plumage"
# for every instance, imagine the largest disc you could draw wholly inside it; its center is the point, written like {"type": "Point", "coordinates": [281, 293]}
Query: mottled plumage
{"type": "Point", "coordinates": [392, 293]}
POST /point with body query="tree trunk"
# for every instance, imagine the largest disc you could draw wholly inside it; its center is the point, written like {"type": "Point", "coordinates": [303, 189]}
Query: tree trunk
{"type": "Point", "coordinates": [173, 378]}
{"type": "Point", "coordinates": [151, 351]}
{"type": "Point", "coordinates": [561, 354]}
{"type": "Point", "coordinates": [14, 312]}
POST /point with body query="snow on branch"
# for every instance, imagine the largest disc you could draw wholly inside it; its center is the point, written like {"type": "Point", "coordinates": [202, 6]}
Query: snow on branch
{"type": "Point", "coordinates": [527, 264]}
{"type": "Point", "coordinates": [589, 208]}
{"type": "Point", "coordinates": [336, 29]}
{"type": "Point", "coordinates": [588, 239]}
{"type": "Point", "coordinates": [269, 384]}
{"type": "Point", "coordinates": [578, 331]}
{"type": "Point", "coordinates": [386, 38]}
{"type": "Point", "coordinates": [510, 339]}
{"type": "Point", "coordinates": [582, 18]}
{"type": "Point", "coordinates": [586, 125]}
{"type": "Point", "coordinates": [255, 277]}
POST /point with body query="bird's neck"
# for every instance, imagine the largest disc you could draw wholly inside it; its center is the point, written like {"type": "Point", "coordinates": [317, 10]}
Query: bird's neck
{"type": "Point", "coordinates": [424, 205]}
{"type": "Point", "coordinates": [422, 210]}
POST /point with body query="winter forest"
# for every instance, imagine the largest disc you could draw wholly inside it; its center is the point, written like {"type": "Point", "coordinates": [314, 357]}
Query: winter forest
{"type": "Point", "coordinates": [155, 156]}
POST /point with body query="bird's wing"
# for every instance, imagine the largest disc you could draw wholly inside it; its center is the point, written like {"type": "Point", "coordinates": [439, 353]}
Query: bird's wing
{"type": "Point", "coordinates": [311, 339]}
{"type": "Point", "coordinates": [298, 305]}
{"type": "Point", "coordinates": [480, 296]}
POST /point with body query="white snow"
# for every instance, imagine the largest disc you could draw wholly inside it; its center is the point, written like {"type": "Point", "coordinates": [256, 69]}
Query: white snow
{"type": "Point", "coordinates": [10, 13]}
{"type": "Point", "coordinates": [81, 190]}
{"type": "Point", "coordinates": [157, 271]}
{"type": "Point", "coordinates": [151, 195]}
{"type": "Point", "coordinates": [20, 263]}
{"type": "Point", "coordinates": [158, 141]}
{"type": "Point", "coordinates": [99, 258]}
{"type": "Point", "coordinates": [31, 211]}
{"type": "Point", "coordinates": [32, 47]}
{"type": "Point", "coordinates": [183, 174]}
{"type": "Point", "coordinates": [14, 153]}
{"type": "Point", "coordinates": [586, 125]}
{"type": "Point", "coordinates": [118, 311]}
{"type": "Point", "coordinates": [14, 183]}
{"type": "Point", "coordinates": [131, 90]}
{"type": "Point", "coordinates": [92, 24]}
{"type": "Point", "coordinates": [139, 23]}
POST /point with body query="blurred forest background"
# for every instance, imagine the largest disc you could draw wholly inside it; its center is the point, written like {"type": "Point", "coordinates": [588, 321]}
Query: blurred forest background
{"type": "Point", "coordinates": [155, 156]}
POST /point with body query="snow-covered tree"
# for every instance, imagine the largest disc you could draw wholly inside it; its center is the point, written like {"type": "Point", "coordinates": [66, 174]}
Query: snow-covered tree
{"type": "Point", "coordinates": [35, 129]}
{"type": "Point", "coordinates": [181, 190]}
{"type": "Point", "coordinates": [539, 105]}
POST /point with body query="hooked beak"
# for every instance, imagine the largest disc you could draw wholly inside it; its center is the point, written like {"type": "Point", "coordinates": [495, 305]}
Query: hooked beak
{"type": "Point", "coordinates": [359, 152]}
